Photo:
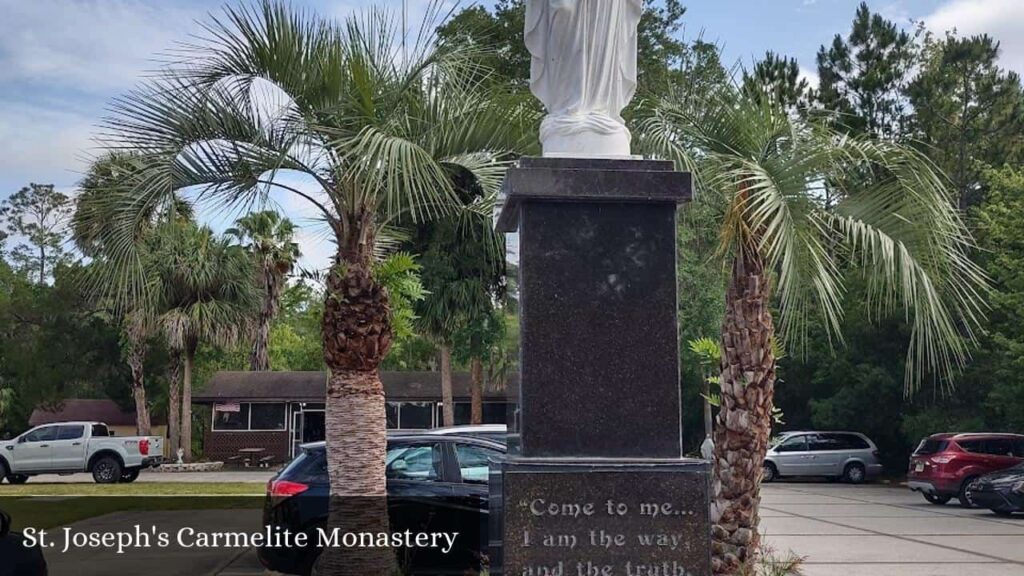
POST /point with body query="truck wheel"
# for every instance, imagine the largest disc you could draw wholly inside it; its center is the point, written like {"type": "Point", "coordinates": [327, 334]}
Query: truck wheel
{"type": "Point", "coordinates": [106, 470]}
{"type": "Point", "coordinates": [129, 476]}
{"type": "Point", "coordinates": [17, 478]}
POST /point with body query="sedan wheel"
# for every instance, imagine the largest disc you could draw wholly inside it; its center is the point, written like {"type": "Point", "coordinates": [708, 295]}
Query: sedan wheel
{"type": "Point", "coordinates": [936, 499]}
{"type": "Point", "coordinates": [965, 494]}
{"type": "Point", "coordinates": [17, 478]}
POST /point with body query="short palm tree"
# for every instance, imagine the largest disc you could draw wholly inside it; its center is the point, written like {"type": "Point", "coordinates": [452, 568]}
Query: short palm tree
{"type": "Point", "coordinates": [204, 294]}
{"type": "Point", "coordinates": [375, 121]}
{"type": "Point", "coordinates": [269, 238]}
{"type": "Point", "coordinates": [895, 225]}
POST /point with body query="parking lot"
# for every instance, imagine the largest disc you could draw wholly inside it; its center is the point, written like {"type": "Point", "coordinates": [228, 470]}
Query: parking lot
{"type": "Point", "coordinates": [879, 530]}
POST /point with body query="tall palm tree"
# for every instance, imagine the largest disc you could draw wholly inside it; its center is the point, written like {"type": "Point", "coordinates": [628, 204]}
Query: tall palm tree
{"type": "Point", "coordinates": [205, 294]}
{"type": "Point", "coordinates": [270, 240]}
{"type": "Point", "coordinates": [375, 121]}
{"type": "Point", "coordinates": [896, 225]}
{"type": "Point", "coordinates": [92, 212]}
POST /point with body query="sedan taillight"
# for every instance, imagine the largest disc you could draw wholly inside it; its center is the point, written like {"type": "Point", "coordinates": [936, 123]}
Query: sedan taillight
{"type": "Point", "coordinates": [942, 459]}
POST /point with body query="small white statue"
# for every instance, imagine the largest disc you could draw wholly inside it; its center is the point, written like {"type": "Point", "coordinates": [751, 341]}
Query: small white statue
{"type": "Point", "coordinates": [181, 456]}
{"type": "Point", "coordinates": [584, 71]}
{"type": "Point", "coordinates": [707, 449]}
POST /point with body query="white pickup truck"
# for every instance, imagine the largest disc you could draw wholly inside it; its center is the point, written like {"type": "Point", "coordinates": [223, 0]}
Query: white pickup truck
{"type": "Point", "coordinates": [71, 447]}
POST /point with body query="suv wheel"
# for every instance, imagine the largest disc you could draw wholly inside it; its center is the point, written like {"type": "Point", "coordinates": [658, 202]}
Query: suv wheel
{"type": "Point", "coordinates": [769, 473]}
{"type": "Point", "coordinates": [106, 470]}
{"type": "Point", "coordinates": [936, 499]}
{"type": "Point", "coordinates": [854, 473]}
{"type": "Point", "coordinates": [965, 493]}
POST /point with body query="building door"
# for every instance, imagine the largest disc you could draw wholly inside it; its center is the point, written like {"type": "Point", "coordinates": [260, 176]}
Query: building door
{"type": "Point", "coordinates": [313, 426]}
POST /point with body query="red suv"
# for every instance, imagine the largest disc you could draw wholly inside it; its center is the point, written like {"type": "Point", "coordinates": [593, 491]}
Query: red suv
{"type": "Point", "coordinates": [945, 465]}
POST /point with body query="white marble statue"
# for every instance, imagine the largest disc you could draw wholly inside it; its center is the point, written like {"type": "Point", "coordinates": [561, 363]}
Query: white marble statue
{"type": "Point", "coordinates": [584, 71]}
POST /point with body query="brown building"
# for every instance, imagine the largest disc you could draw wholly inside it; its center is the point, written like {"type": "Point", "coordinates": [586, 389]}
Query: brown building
{"type": "Point", "coordinates": [121, 422]}
{"type": "Point", "coordinates": [275, 412]}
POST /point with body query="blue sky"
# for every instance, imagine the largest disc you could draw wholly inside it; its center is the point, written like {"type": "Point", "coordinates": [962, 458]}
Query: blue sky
{"type": "Point", "coordinates": [62, 61]}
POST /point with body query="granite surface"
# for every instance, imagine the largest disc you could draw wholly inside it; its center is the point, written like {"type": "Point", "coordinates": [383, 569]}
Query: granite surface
{"type": "Point", "coordinates": [599, 358]}
{"type": "Point", "coordinates": [595, 518]}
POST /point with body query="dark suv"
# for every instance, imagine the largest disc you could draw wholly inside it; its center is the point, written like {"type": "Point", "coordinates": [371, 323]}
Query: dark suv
{"type": "Point", "coordinates": [436, 483]}
{"type": "Point", "coordinates": [945, 465]}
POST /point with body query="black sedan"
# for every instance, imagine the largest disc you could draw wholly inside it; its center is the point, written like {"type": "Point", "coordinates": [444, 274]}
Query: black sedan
{"type": "Point", "coordinates": [18, 559]}
{"type": "Point", "coordinates": [1001, 492]}
{"type": "Point", "coordinates": [436, 484]}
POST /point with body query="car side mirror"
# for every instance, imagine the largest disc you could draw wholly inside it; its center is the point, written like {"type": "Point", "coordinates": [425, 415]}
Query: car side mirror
{"type": "Point", "coordinates": [5, 524]}
{"type": "Point", "coordinates": [22, 439]}
{"type": "Point", "coordinates": [111, 433]}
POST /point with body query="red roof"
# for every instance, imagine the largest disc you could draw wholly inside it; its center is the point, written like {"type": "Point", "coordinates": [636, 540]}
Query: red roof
{"type": "Point", "coordinates": [77, 410]}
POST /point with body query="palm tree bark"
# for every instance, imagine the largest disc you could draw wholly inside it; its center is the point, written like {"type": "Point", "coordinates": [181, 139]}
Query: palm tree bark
{"type": "Point", "coordinates": [356, 336]}
{"type": "Point", "coordinates": [186, 399]}
{"type": "Point", "coordinates": [447, 396]}
{"type": "Point", "coordinates": [476, 372]}
{"type": "Point", "coordinates": [174, 401]}
{"type": "Point", "coordinates": [136, 356]}
{"type": "Point", "coordinates": [259, 356]}
{"type": "Point", "coordinates": [744, 418]}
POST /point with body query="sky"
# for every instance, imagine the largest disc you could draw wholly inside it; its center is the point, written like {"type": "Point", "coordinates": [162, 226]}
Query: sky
{"type": "Point", "coordinates": [63, 61]}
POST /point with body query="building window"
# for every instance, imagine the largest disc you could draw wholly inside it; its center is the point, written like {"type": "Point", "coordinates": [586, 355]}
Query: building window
{"type": "Point", "coordinates": [416, 415]}
{"type": "Point", "coordinates": [266, 417]}
{"type": "Point", "coordinates": [244, 416]}
{"type": "Point", "coordinates": [391, 410]}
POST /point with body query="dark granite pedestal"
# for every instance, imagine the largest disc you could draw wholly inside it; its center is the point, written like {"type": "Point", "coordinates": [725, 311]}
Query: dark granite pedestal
{"type": "Point", "coordinates": [596, 483]}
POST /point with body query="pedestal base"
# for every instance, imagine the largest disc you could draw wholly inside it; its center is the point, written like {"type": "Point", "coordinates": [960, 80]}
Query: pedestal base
{"type": "Point", "coordinates": [601, 517]}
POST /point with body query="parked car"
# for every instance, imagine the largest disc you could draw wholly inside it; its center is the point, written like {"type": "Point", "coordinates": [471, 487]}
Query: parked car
{"type": "Point", "coordinates": [435, 482]}
{"type": "Point", "coordinates": [1001, 492]}
{"type": "Point", "coordinates": [71, 447]}
{"type": "Point", "coordinates": [945, 465]}
{"type": "Point", "coordinates": [18, 558]}
{"type": "Point", "coordinates": [496, 432]}
{"type": "Point", "coordinates": [849, 456]}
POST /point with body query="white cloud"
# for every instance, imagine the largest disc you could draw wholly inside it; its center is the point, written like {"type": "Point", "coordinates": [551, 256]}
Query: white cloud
{"type": "Point", "coordinates": [43, 144]}
{"type": "Point", "coordinates": [811, 76]}
{"type": "Point", "coordinates": [92, 46]}
{"type": "Point", "coordinates": [1001, 19]}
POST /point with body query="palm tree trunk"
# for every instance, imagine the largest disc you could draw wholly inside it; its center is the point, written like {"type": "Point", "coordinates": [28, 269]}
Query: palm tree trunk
{"type": "Point", "coordinates": [174, 400]}
{"type": "Point", "coordinates": [356, 336]}
{"type": "Point", "coordinates": [744, 418]}
{"type": "Point", "coordinates": [259, 357]}
{"type": "Point", "coordinates": [186, 400]}
{"type": "Point", "coordinates": [476, 372]}
{"type": "Point", "coordinates": [136, 357]}
{"type": "Point", "coordinates": [447, 396]}
{"type": "Point", "coordinates": [708, 418]}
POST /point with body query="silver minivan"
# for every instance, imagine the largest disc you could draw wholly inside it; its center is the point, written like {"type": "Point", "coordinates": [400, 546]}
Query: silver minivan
{"type": "Point", "coordinates": [850, 456]}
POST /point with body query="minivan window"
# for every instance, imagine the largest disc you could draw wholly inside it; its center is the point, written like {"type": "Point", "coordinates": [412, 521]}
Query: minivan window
{"type": "Point", "coordinates": [794, 444]}
{"type": "Point", "coordinates": [930, 446]}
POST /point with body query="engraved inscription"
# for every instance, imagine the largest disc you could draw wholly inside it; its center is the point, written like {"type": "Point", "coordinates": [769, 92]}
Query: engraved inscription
{"type": "Point", "coordinates": [606, 524]}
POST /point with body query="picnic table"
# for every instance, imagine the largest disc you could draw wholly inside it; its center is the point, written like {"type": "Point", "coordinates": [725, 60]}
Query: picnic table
{"type": "Point", "coordinates": [248, 454]}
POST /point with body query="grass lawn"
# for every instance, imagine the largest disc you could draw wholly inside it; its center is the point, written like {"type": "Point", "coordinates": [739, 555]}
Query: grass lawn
{"type": "Point", "coordinates": [137, 489]}
{"type": "Point", "coordinates": [52, 505]}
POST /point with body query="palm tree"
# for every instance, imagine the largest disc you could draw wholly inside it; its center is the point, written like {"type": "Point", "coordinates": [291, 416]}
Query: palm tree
{"type": "Point", "coordinates": [896, 225]}
{"type": "Point", "coordinates": [269, 238]}
{"type": "Point", "coordinates": [375, 121]}
{"type": "Point", "coordinates": [205, 295]}
{"type": "Point", "coordinates": [136, 319]}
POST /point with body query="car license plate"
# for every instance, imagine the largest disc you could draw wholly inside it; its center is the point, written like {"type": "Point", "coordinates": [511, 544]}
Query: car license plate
{"type": "Point", "coordinates": [919, 467]}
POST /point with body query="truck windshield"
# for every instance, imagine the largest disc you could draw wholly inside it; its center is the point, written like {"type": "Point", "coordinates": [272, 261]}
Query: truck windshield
{"type": "Point", "coordinates": [99, 430]}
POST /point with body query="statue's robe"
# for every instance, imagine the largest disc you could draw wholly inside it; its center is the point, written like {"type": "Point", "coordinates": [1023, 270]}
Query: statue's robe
{"type": "Point", "coordinates": [584, 62]}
